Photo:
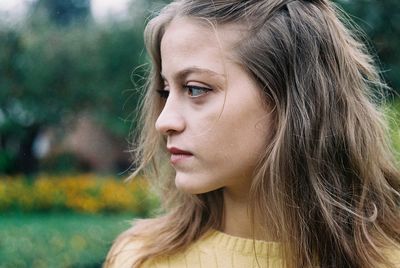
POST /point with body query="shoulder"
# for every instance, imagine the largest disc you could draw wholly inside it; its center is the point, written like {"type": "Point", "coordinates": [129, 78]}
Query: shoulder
{"type": "Point", "coordinates": [131, 246]}
{"type": "Point", "coordinates": [126, 248]}
{"type": "Point", "coordinates": [123, 251]}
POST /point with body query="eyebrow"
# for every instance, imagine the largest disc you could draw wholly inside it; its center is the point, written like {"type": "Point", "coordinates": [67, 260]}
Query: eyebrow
{"type": "Point", "coordinates": [182, 74]}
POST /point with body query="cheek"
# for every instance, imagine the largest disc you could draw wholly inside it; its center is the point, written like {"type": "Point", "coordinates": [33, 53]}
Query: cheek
{"type": "Point", "coordinates": [233, 134]}
{"type": "Point", "coordinates": [204, 125]}
{"type": "Point", "coordinates": [244, 133]}
{"type": "Point", "coordinates": [238, 140]}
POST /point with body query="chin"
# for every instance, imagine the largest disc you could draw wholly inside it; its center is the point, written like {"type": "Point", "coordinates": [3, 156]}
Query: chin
{"type": "Point", "coordinates": [193, 185]}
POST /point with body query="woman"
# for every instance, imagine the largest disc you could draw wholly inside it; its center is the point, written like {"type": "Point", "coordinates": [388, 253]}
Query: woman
{"type": "Point", "coordinates": [268, 151]}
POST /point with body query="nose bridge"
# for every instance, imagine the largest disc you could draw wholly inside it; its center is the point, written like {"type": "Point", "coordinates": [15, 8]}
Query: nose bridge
{"type": "Point", "coordinates": [171, 117]}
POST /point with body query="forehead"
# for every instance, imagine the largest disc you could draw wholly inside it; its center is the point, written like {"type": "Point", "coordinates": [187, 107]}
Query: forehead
{"type": "Point", "coordinates": [193, 27]}
{"type": "Point", "coordinates": [197, 42]}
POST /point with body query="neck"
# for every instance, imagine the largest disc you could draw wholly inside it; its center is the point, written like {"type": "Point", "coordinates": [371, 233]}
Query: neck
{"type": "Point", "coordinates": [237, 218]}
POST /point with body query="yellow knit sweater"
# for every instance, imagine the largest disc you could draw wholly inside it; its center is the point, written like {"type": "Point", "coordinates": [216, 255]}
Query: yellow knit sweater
{"type": "Point", "coordinates": [214, 250]}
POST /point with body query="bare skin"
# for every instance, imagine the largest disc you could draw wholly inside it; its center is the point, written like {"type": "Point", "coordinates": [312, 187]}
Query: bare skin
{"type": "Point", "coordinates": [213, 117]}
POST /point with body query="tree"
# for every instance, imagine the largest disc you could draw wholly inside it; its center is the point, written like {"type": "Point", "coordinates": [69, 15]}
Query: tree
{"type": "Point", "coordinates": [380, 20]}
{"type": "Point", "coordinates": [64, 12]}
{"type": "Point", "coordinates": [50, 73]}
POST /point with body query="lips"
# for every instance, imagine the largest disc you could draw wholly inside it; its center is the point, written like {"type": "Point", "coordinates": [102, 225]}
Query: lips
{"type": "Point", "coordinates": [174, 150]}
{"type": "Point", "coordinates": [179, 155]}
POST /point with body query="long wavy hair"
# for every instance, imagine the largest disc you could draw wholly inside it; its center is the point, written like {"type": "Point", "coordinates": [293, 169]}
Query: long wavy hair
{"type": "Point", "coordinates": [327, 185]}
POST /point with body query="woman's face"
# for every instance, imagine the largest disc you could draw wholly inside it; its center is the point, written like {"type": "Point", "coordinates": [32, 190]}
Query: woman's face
{"type": "Point", "coordinates": [214, 119]}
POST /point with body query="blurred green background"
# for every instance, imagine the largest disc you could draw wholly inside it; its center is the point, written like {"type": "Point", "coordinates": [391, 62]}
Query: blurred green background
{"type": "Point", "coordinates": [71, 73]}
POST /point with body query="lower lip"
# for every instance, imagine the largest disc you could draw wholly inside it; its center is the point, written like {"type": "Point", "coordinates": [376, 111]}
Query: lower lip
{"type": "Point", "coordinates": [176, 158]}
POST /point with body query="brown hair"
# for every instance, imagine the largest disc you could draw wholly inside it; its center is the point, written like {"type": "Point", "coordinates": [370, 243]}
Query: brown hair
{"type": "Point", "coordinates": [327, 185]}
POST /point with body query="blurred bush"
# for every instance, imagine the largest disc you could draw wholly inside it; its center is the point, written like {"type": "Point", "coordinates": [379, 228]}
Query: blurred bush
{"type": "Point", "coordinates": [65, 162]}
{"type": "Point", "coordinates": [52, 72]}
{"type": "Point", "coordinates": [85, 193]}
{"type": "Point", "coordinates": [392, 111]}
{"type": "Point", "coordinates": [379, 20]}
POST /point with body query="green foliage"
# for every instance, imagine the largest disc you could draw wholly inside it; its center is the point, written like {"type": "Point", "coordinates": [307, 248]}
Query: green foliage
{"type": "Point", "coordinates": [64, 12]}
{"type": "Point", "coordinates": [379, 19]}
{"type": "Point", "coordinates": [62, 71]}
{"type": "Point", "coordinates": [51, 74]}
{"type": "Point", "coordinates": [62, 164]}
{"type": "Point", "coordinates": [58, 240]}
{"type": "Point", "coordinates": [393, 118]}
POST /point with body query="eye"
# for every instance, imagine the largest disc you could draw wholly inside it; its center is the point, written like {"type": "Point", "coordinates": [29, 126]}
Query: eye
{"type": "Point", "coordinates": [163, 93]}
{"type": "Point", "coordinates": [196, 91]}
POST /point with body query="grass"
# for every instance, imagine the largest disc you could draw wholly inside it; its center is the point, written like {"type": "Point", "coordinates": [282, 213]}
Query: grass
{"type": "Point", "coordinates": [58, 239]}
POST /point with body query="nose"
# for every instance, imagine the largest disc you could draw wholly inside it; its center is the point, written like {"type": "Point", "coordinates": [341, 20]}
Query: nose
{"type": "Point", "coordinates": [170, 119]}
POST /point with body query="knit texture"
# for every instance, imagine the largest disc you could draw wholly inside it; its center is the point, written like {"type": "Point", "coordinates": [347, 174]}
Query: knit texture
{"type": "Point", "coordinates": [214, 250]}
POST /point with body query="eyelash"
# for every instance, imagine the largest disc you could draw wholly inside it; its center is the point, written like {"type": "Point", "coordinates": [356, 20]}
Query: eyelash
{"type": "Point", "coordinates": [165, 93]}
{"type": "Point", "coordinates": [191, 88]}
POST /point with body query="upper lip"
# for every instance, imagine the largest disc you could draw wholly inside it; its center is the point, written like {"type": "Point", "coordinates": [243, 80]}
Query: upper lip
{"type": "Point", "coordinates": [175, 150]}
